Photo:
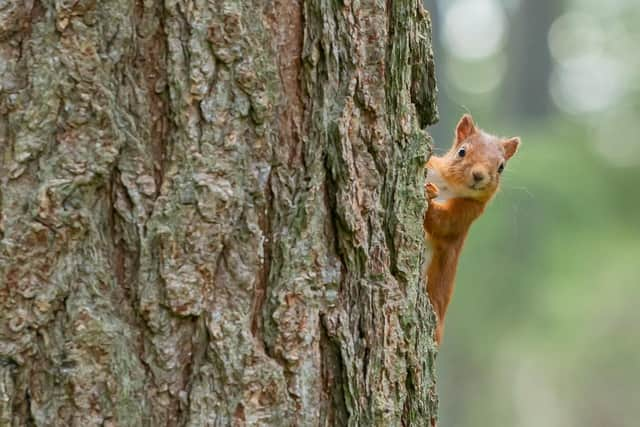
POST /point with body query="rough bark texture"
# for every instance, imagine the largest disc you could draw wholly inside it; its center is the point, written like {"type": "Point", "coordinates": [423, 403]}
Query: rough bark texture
{"type": "Point", "coordinates": [210, 213]}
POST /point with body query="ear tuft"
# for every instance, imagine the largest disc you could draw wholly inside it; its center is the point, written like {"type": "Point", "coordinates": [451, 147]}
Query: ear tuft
{"type": "Point", "coordinates": [510, 147]}
{"type": "Point", "coordinates": [465, 128]}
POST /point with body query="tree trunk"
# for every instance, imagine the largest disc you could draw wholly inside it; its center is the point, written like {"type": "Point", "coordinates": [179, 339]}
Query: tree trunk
{"type": "Point", "coordinates": [210, 213]}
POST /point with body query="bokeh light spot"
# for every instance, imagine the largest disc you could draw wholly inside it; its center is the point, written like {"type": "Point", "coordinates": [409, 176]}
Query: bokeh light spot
{"type": "Point", "coordinates": [474, 29]}
{"type": "Point", "coordinates": [587, 83]}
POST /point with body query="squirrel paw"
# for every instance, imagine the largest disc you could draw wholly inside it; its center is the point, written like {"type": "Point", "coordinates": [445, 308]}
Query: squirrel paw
{"type": "Point", "coordinates": [431, 190]}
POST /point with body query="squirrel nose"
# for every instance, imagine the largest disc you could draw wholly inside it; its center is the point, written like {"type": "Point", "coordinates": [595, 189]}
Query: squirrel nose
{"type": "Point", "coordinates": [478, 176]}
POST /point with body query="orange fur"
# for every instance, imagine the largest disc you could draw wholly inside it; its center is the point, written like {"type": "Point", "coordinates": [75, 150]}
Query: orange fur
{"type": "Point", "coordinates": [470, 181]}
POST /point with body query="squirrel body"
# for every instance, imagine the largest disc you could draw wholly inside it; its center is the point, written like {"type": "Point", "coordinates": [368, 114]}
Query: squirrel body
{"type": "Point", "coordinates": [458, 187]}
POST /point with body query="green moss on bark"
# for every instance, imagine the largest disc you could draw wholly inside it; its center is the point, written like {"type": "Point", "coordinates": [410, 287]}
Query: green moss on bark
{"type": "Point", "coordinates": [210, 213]}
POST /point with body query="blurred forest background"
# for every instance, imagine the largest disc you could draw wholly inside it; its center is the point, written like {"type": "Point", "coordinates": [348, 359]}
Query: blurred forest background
{"type": "Point", "coordinates": [544, 328]}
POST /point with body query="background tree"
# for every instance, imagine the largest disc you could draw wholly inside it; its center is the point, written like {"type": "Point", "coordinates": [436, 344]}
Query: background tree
{"type": "Point", "coordinates": [526, 88]}
{"type": "Point", "coordinates": [211, 213]}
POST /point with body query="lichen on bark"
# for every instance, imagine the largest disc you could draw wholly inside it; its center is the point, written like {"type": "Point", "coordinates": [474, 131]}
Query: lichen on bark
{"type": "Point", "coordinates": [210, 213]}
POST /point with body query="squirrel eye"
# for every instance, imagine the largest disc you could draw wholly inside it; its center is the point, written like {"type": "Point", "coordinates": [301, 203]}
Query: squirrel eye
{"type": "Point", "coordinates": [501, 168]}
{"type": "Point", "coordinates": [462, 152]}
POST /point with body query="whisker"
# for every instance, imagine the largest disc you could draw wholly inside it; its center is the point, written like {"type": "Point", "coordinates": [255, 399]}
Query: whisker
{"type": "Point", "coordinates": [506, 186]}
{"type": "Point", "coordinates": [439, 150]}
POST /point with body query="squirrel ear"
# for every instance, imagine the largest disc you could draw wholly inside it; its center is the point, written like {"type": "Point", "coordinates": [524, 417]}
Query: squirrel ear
{"type": "Point", "coordinates": [510, 147]}
{"type": "Point", "coordinates": [465, 128]}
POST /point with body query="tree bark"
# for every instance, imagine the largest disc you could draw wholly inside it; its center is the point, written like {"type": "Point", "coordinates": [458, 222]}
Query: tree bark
{"type": "Point", "coordinates": [210, 213]}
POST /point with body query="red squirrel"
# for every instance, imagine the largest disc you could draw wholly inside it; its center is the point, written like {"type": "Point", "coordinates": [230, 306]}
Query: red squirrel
{"type": "Point", "coordinates": [459, 186]}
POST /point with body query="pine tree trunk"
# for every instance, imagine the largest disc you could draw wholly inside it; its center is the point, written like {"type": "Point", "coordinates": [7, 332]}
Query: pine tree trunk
{"type": "Point", "coordinates": [210, 213]}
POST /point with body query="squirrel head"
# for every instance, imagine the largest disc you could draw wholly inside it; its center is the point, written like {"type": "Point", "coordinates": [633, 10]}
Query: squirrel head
{"type": "Point", "coordinates": [473, 165]}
